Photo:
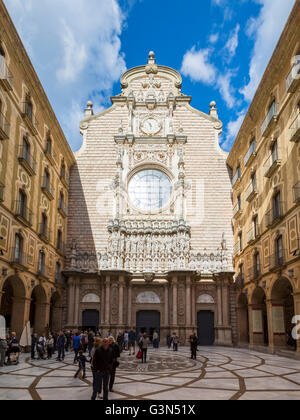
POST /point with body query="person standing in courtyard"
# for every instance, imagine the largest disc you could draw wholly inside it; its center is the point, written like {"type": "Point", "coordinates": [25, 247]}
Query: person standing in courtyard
{"type": "Point", "coordinates": [61, 342]}
{"type": "Point", "coordinates": [3, 350]}
{"type": "Point", "coordinates": [82, 360]}
{"type": "Point", "coordinates": [143, 343]}
{"type": "Point", "coordinates": [91, 338]}
{"type": "Point", "coordinates": [132, 341]}
{"type": "Point", "coordinates": [155, 340]}
{"type": "Point", "coordinates": [175, 341]}
{"type": "Point", "coordinates": [50, 347]}
{"type": "Point", "coordinates": [102, 366]}
{"type": "Point", "coordinates": [76, 346]}
{"type": "Point", "coordinates": [116, 355]}
{"type": "Point", "coordinates": [194, 345]}
{"type": "Point", "coordinates": [34, 341]}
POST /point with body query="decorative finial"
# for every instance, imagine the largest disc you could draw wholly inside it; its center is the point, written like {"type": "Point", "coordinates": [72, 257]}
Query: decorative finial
{"type": "Point", "coordinates": [88, 112]}
{"type": "Point", "coordinates": [213, 112]}
{"type": "Point", "coordinates": [151, 59]}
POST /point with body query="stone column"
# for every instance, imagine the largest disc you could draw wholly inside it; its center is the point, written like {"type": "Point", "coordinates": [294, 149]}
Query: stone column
{"type": "Point", "coordinates": [194, 322]}
{"type": "Point", "coordinates": [102, 303]}
{"type": "Point", "coordinates": [188, 301]}
{"type": "Point", "coordinates": [129, 303]}
{"type": "Point", "coordinates": [225, 303]}
{"type": "Point", "coordinates": [70, 302]}
{"type": "Point", "coordinates": [121, 299]}
{"type": "Point", "coordinates": [219, 303]}
{"type": "Point", "coordinates": [166, 305]}
{"type": "Point", "coordinates": [107, 300]}
{"type": "Point", "coordinates": [175, 299]}
{"type": "Point", "coordinates": [20, 314]}
{"type": "Point", "coordinates": [77, 303]}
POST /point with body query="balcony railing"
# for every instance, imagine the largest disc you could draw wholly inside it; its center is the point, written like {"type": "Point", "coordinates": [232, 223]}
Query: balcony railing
{"type": "Point", "coordinates": [4, 127]}
{"type": "Point", "coordinates": [237, 248]}
{"type": "Point", "coordinates": [27, 160]}
{"type": "Point", "coordinates": [2, 189]}
{"type": "Point", "coordinates": [43, 271]}
{"type": "Point", "coordinates": [19, 258]}
{"type": "Point", "coordinates": [23, 213]}
{"type": "Point", "coordinates": [293, 79]}
{"type": "Point", "coordinates": [240, 280]}
{"type": "Point", "coordinates": [254, 273]}
{"type": "Point", "coordinates": [6, 76]}
{"type": "Point", "coordinates": [251, 191]}
{"type": "Point", "coordinates": [253, 234]}
{"type": "Point", "coordinates": [237, 210]}
{"type": "Point", "coordinates": [271, 117]}
{"type": "Point", "coordinates": [250, 154]}
{"type": "Point", "coordinates": [30, 118]}
{"type": "Point", "coordinates": [236, 177]}
{"type": "Point", "coordinates": [277, 260]}
{"type": "Point", "coordinates": [296, 191]}
{"type": "Point", "coordinates": [48, 189]}
{"type": "Point", "coordinates": [275, 214]}
{"type": "Point", "coordinates": [44, 232]}
{"type": "Point", "coordinates": [63, 209]}
{"type": "Point", "coordinates": [271, 164]}
{"type": "Point", "coordinates": [295, 129]}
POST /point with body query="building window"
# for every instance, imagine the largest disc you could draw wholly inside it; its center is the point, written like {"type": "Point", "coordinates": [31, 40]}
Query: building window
{"type": "Point", "coordinates": [255, 226]}
{"type": "Point", "coordinates": [26, 150]}
{"type": "Point", "coordinates": [44, 224]}
{"type": "Point", "coordinates": [46, 179]}
{"type": "Point", "coordinates": [59, 239]}
{"type": "Point", "coordinates": [18, 251]}
{"type": "Point", "coordinates": [63, 171]}
{"type": "Point", "coordinates": [41, 266]}
{"type": "Point", "coordinates": [58, 272]}
{"type": "Point", "coordinates": [276, 206]}
{"type": "Point", "coordinates": [22, 204]}
{"type": "Point", "coordinates": [279, 252]}
{"type": "Point", "coordinates": [240, 241]}
{"type": "Point", "coordinates": [49, 145]}
{"type": "Point", "coordinates": [29, 109]}
{"type": "Point", "coordinates": [61, 200]}
{"type": "Point", "coordinates": [256, 265]}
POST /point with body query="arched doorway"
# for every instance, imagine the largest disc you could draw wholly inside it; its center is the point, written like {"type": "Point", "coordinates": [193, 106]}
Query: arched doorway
{"type": "Point", "coordinates": [260, 331]}
{"type": "Point", "coordinates": [38, 315]}
{"type": "Point", "coordinates": [55, 320]}
{"type": "Point", "coordinates": [243, 320]}
{"type": "Point", "coordinates": [283, 311]}
{"type": "Point", "coordinates": [148, 321]}
{"type": "Point", "coordinates": [90, 320]}
{"type": "Point", "coordinates": [206, 328]}
{"type": "Point", "coordinates": [12, 305]}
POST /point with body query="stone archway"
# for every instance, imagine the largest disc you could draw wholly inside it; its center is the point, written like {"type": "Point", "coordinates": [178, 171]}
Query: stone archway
{"type": "Point", "coordinates": [39, 310]}
{"type": "Point", "coordinates": [259, 318]}
{"type": "Point", "coordinates": [283, 311]}
{"type": "Point", "coordinates": [243, 320]}
{"type": "Point", "coordinates": [13, 304]}
{"type": "Point", "coordinates": [55, 320]}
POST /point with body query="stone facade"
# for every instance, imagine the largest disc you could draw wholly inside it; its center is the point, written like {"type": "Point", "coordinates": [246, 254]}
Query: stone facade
{"type": "Point", "coordinates": [266, 192]}
{"type": "Point", "coordinates": [171, 254]}
{"type": "Point", "coordinates": [35, 159]}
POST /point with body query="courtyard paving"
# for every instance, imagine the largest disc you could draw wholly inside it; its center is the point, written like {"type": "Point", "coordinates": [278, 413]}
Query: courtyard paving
{"type": "Point", "coordinates": [218, 374]}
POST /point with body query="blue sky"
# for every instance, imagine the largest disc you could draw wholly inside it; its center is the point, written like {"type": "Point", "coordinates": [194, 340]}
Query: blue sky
{"type": "Point", "coordinates": [81, 48]}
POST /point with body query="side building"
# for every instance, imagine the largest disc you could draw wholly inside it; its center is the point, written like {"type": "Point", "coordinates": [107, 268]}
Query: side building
{"type": "Point", "coordinates": [35, 160]}
{"type": "Point", "coordinates": [265, 161]}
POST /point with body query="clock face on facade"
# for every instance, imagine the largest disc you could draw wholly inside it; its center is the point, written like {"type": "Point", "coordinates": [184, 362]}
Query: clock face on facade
{"type": "Point", "coordinates": [150, 126]}
{"type": "Point", "coordinates": [150, 190]}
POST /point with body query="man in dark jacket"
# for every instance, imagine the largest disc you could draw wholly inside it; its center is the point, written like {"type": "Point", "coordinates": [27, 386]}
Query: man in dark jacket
{"type": "Point", "coordinates": [194, 345]}
{"type": "Point", "coordinates": [34, 341]}
{"type": "Point", "coordinates": [61, 341]}
{"type": "Point", "coordinates": [102, 366]}
{"type": "Point", "coordinates": [116, 354]}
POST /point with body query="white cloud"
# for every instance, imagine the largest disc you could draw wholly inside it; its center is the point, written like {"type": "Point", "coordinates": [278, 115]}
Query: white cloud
{"type": "Point", "coordinates": [75, 47]}
{"type": "Point", "coordinates": [232, 43]}
{"type": "Point", "coordinates": [213, 39]}
{"type": "Point", "coordinates": [196, 65]}
{"type": "Point", "coordinates": [267, 29]}
{"type": "Point", "coordinates": [226, 89]}
{"type": "Point", "coordinates": [232, 130]}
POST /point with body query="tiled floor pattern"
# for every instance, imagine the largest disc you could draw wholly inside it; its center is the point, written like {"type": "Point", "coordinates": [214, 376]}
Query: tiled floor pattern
{"type": "Point", "coordinates": [219, 374]}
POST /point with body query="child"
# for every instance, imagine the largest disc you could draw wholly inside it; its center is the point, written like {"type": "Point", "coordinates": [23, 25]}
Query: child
{"type": "Point", "coordinates": [81, 362]}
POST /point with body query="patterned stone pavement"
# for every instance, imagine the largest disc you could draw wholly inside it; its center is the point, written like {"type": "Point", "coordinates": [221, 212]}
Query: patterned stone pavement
{"type": "Point", "coordinates": [219, 374]}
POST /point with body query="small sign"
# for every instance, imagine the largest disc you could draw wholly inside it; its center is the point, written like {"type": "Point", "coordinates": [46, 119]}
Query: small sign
{"type": "Point", "coordinates": [278, 319]}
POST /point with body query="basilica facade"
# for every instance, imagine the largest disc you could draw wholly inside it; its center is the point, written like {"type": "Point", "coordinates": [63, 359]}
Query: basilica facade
{"type": "Point", "coordinates": [150, 237]}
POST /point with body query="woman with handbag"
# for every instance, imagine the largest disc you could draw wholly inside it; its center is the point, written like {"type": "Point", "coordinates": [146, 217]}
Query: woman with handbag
{"type": "Point", "coordinates": [116, 355]}
{"type": "Point", "coordinates": [143, 343]}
